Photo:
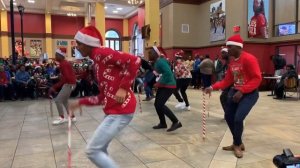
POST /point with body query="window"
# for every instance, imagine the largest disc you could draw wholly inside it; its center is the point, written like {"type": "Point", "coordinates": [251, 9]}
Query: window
{"type": "Point", "coordinates": [287, 15]}
{"type": "Point", "coordinates": [112, 40]}
{"type": "Point", "coordinates": [137, 42]}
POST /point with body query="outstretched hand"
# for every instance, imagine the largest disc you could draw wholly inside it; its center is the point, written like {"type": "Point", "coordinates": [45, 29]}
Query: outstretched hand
{"type": "Point", "coordinates": [208, 90]}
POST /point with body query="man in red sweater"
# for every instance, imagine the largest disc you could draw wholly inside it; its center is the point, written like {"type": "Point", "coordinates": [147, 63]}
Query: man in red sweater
{"type": "Point", "coordinates": [245, 76]}
{"type": "Point", "coordinates": [3, 82]}
{"type": "Point", "coordinates": [66, 83]}
{"type": "Point", "coordinates": [115, 72]}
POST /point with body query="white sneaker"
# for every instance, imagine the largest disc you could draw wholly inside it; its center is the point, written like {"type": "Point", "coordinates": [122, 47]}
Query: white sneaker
{"type": "Point", "coordinates": [59, 121]}
{"type": "Point", "coordinates": [73, 119]}
{"type": "Point", "coordinates": [188, 108]}
{"type": "Point", "coordinates": [180, 105]}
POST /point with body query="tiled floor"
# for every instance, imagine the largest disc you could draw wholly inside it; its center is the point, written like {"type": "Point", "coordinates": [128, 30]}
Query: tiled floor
{"type": "Point", "coordinates": [28, 139]}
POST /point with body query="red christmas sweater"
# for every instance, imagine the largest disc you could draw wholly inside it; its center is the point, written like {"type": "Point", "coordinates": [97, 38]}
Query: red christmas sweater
{"type": "Point", "coordinates": [3, 78]}
{"type": "Point", "coordinates": [257, 22]}
{"type": "Point", "coordinates": [113, 70]}
{"type": "Point", "coordinates": [244, 73]}
{"type": "Point", "coordinates": [67, 75]}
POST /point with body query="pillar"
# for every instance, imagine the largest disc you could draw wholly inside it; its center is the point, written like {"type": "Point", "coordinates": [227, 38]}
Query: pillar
{"type": "Point", "coordinates": [49, 43]}
{"type": "Point", "coordinates": [152, 17]}
{"type": "Point", "coordinates": [125, 43]}
{"type": "Point", "coordinates": [100, 19]}
{"type": "Point", "coordinates": [4, 35]}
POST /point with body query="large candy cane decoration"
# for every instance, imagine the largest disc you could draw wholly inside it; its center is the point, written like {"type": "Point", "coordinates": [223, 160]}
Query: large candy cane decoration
{"type": "Point", "coordinates": [69, 142]}
{"type": "Point", "coordinates": [203, 116]}
{"type": "Point", "coordinates": [140, 104]}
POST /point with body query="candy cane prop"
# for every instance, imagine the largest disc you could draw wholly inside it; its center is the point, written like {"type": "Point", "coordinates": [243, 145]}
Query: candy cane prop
{"type": "Point", "coordinates": [80, 109]}
{"type": "Point", "coordinates": [140, 104]}
{"type": "Point", "coordinates": [69, 142]}
{"type": "Point", "coordinates": [203, 117]}
{"type": "Point", "coordinates": [51, 107]}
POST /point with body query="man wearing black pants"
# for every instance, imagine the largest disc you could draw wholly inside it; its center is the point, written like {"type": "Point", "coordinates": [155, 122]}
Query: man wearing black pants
{"type": "Point", "coordinates": [166, 86]}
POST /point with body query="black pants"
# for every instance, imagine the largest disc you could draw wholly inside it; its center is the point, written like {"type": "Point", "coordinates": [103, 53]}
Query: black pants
{"type": "Point", "coordinates": [182, 85]}
{"type": "Point", "coordinates": [24, 90]}
{"type": "Point", "coordinates": [162, 95]}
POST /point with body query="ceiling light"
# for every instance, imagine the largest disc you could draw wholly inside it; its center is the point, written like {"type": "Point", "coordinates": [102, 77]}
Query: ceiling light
{"type": "Point", "coordinates": [15, 3]}
{"type": "Point", "coordinates": [105, 7]}
{"type": "Point", "coordinates": [119, 9]}
{"type": "Point", "coordinates": [31, 1]}
{"type": "Point", "coordinates": [115, 11]}
{"type": "Point", "coordinates": [135, 2]}
{"type": "Point", "coordinates": [71, 14]}
{"type": "Point", "coordinates": [3, 9]}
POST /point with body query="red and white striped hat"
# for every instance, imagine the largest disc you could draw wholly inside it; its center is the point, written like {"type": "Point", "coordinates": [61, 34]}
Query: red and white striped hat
{"type": "Point", "coordinates": [90, 36]}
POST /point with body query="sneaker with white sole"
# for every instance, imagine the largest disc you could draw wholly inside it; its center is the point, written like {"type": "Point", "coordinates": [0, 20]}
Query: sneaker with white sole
{"type": "Point", "coordinates": [60, 120]}
{"type": "Point", "coordinates": [180, 105]}
{"type": "Point", "coordinates": [73, 119]}
{"type": "Point", "coordinates": [188, 108]}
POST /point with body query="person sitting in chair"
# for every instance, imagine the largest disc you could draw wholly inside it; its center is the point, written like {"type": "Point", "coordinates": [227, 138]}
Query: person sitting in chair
{"type": "Point", "coordinates": [279, 87]}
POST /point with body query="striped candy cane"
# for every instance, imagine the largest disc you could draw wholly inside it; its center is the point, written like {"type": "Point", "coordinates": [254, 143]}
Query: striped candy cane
{"type": "Point", "coordinates": [69, 142]}
{"type": "Point", "coordinates": [140, 104]}
{"type": "Point", "coordinates": [203, 117]}
{"type": "Point", "coordinates": [51, 107]}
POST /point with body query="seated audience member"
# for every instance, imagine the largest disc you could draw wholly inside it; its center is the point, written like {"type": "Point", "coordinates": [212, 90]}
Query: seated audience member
{"type": "Point", "coordinates": [23, 83]}
{"type": "Point", "coordinates": [3, 82]}
{"type": "Point", "coordinates": [279, 87]}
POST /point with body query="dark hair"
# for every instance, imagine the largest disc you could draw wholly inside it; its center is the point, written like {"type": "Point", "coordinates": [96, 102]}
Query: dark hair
{"type": "Point", "coordinates": [291, 66]}
{"type": "Point", "coordinates": [206, 56]}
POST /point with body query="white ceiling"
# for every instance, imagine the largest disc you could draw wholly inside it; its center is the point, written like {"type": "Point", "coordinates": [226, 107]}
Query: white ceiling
{"type": "Point", "coordinates": [79, 7]}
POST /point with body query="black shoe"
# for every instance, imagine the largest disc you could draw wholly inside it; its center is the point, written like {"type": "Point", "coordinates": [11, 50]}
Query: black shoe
{"type": "Point", "coordinates": [174, 126]}
{"type": "Point", "coordinates": [277, 97]}
{"type": "Point", "coordinates": [159, 126]}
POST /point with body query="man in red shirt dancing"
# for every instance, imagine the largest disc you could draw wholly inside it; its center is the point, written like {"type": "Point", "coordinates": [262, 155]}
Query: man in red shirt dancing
{"type": "Point", "coordinates": [258, 24]}
{"type": "Point", "coordinates": [115, 72]}
{"type": "Point", "coordinates": [67, 84]}
{"type": "Point", "coordinates": [245, 76]}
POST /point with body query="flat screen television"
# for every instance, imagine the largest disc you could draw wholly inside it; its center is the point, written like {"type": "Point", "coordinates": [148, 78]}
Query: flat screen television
{"type": "Point", "coordinates": [286, 29]}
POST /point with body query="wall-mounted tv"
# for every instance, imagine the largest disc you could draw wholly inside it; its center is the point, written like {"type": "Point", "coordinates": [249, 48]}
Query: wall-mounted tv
{"type": "Point", "coordinates": [286, 29]}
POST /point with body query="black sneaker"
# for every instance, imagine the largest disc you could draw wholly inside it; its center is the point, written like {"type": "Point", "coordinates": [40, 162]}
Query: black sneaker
{"type": "Point", "coordinates": [174, 126]}
{"type": "Point", "coordinates": [159, 126]}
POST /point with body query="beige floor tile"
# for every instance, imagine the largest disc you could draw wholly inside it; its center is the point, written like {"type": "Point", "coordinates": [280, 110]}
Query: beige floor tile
{"type": "Point", "coordinates": [153, 155]}
{"type": "Point", "coordinates": [222, 155]}
{"type": "Point", "coordinates": [6, 162]}
{"type": "Point", "coordinates": [222, 164]}
{"type": "Point", "coordinates": [169, 163]}
{"type": "Point", "coordinates": [39, 160]}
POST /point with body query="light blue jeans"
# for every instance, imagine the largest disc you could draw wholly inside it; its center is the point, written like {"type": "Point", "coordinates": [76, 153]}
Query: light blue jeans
{"type": "Point", "coordinates": [106, 131]}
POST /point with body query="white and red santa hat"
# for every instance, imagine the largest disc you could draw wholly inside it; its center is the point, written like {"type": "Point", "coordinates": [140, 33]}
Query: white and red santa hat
{"type": "Point", "coordinates": [235, 40]}
{"type": "Point", "coordinates": [90, 36]}
{"type": "Point", "coordinates": [179, 54]}
{"type": "Point", "coordinates": [224, 49]}
{"type": "Point", "coordinates": [160, 51]}
{"type": "Point", "coordinates": [60, 52]}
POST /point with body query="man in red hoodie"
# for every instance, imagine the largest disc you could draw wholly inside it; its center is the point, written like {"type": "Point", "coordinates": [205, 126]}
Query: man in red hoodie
{"type": "Point", "coordinates": [245, 76]}
{"type": "Point", "coordinates": [115, 72]}
{"type": "Point", "coordinates": [67, 84]}
{"type": "Point", "coordinates": [3, 82]}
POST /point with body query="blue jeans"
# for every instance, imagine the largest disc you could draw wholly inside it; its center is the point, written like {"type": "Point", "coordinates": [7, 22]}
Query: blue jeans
{"type": "Point", "coordinates": [235, 113]}
{"type": "Point", "coordinates": [106, 131]}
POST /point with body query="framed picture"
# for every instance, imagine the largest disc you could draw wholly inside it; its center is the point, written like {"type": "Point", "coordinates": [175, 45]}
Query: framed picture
{"type": "Point", "coordinates": [35, 48]}
{"type": "Point", "coordinates": [258, 18]}
{"type": "Point", "coordinates": [217, 21]}
{"type": "Point", "coordinates": [63, 46]}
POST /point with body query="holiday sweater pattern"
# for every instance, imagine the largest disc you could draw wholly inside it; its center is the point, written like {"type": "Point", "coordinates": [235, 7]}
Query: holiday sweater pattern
{"type": "Point", "coordinates": [244, 73]}
{"type": "Point", "coordinates": [113, 70]}
{"type": "Point", "coordinates": [181, 71]}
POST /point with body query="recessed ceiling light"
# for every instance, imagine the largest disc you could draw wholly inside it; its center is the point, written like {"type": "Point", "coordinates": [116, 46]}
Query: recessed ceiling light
{"type": "Point", "coordinates": [119, 8]}
{"type": "Point", "coordinates": [3, 9]}
{"type": "Point", "coordinates": [115, 11]}
{"type": "Point", "coordinates": [105, 7]}
{"type": "Point", "coordinates": [15, 3]}
{"type": "Point", "coordinates": [31, 1]}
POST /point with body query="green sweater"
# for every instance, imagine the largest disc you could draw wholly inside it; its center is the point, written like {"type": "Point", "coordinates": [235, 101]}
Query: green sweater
{"type": "Point", "coordinates": [167, 78]}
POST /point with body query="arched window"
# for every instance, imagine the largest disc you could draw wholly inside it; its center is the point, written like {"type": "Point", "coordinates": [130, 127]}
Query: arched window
{"type": "Point", "coordinates": [137, 41]}
{"type": "Point", "coordinates": [112, 40]}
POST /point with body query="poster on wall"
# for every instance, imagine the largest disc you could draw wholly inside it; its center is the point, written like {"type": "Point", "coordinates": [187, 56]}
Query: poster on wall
{"type": "Point", "coordinates": [35, 48]}
{"type": "Point", "coordinates": [62, 45]}
{"type": "Point", "coordinates": [217, 21]}
{"type": "Point", "coordinates": [73, 45]}
{"type": "Point", "coordinates": [258, 18]}
{"type": "Point", "coordinates": [18, 47]}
